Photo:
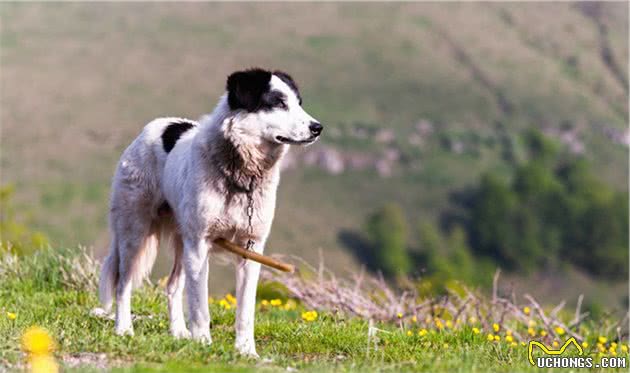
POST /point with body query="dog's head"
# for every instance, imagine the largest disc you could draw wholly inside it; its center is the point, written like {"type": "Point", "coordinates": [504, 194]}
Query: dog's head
{"type": "Point", "coordinates": [270, 107]}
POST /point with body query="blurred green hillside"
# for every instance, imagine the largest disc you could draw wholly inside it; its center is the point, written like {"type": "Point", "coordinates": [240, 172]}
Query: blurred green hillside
{"type": "Point", "coordinates": [418, 100]}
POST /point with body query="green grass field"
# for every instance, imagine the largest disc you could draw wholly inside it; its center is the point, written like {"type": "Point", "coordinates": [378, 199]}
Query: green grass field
{"type": "Point", "coordinates": [47, 290]}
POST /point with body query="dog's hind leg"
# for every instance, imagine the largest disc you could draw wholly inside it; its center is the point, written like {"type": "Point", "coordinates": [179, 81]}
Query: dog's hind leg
{"type": "Point", "coordinates": [138, 248]}
{"type": "Point", "coordinates": [175, 292]}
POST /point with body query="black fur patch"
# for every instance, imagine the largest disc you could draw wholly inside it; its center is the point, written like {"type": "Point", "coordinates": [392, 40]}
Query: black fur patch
{"type": "Point", "coordinates": [173, 132]}
{"type": "Point", "coordinates": [290, 82]}
{"type": "Point", "coordinates": [246, 89]}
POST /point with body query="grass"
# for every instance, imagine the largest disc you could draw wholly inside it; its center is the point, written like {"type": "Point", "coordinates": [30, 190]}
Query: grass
{"type": "Point", "coordinates": [47, 290]}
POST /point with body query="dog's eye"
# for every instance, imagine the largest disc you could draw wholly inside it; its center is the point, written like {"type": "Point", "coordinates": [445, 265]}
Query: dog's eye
{"type": "Point", "coordinates": [282, 105]}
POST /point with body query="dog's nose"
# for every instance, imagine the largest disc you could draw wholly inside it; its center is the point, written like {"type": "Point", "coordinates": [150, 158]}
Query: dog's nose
{"type": "Point", "coordinates": [316, 128]}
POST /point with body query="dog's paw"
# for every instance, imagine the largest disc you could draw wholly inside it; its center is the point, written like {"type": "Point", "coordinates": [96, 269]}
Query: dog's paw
{"type": "Point", "coordinates": [247, 349]}
{"type": "Point", "coordinates": [180, 333]}
{"type": "Point", "coordinates": [201, 336]}
{"type": "Point", "coordinates": [124, 331]}
{"type": "Point", "coordinates": [101, 313]}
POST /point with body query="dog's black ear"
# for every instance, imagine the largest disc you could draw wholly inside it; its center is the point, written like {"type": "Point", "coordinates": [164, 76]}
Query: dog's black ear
{"type": "Point", "coordinates": [290, 82]}
{"type": "Point", "coordinates": [246, 88]}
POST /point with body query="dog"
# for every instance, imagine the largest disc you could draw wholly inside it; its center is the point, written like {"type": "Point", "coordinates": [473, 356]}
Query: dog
{"type": "Point", "coordinates": [195, 181]}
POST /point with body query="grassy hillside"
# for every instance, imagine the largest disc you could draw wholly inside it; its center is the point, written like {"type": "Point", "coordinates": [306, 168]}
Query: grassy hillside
{"type": "Point", "coordinates": [79, 81]}
{"type": "Point", "coordinates": [57, 293]}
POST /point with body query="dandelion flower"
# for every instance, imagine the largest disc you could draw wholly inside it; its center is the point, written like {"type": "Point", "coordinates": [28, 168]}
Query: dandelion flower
{"type": "Point", "coordinates": [526, 310]}
{"type": "Point", "coordinates": [508, 332]}
{"type": "Point", "coordinates": [276, 302]}
{"type": "Point", "coordinates": [509, 339]}
{"type": "Point", "coordinates": [225, 304]}
{"type": "Point", "coordinates": [230, 298]}
{"type": "Point", "coordinates": [37, 341]}
{"type": "Point", "coordinates": [523, 344]}
{"type": "Point", "coordinates": [559, 330]}
{"type": "Point", "coordinates": [531, 323]}
{"type": "Point", "coordinates": [289, 305]}
{"type": "Point", "coordinates": [496, 327]}
{"type": "Point", "coordinates": [585, 344]}
{"type": "Point", "coordinates": [422, 332]}
{"type": "Point", "coordinates": [445, 346]}
{"type": "Point", "coordinates": [476, 330]}
{"type": "Point", "coordinates": [531, 331]}
{"type": "Point", "coordinates": [602, 340]}
{"type": "Point", "coordinates": [543, 333]}
{"type": "Point", "coordinates": [414, 318]}
{"type": "Point", "coordinates": [490, 337]}
{"type": "Point", "coordinates": [399, 315]}
{"type": "Point", "coordinates": [497, 338]}
{"type": "Point", "coordinates": [43, 364]}
{"type": "Point", "coordinates": [449, 324]}
{"type": "Point", "coordinates": [264, 303]}
{"type": "Point", "coordinates": [309, 316]}
{"type": "Point", "coordinates": [601, 347]}
{"type": "Point", "coordinates": [624, 348]}
{"type": "Point", "coordinates": [11, 316]}
{"type": "Point", "coordinates": [513, 344]}
{"type": "Point", "coordinates": [409, 333]}
{"type": "Point", "coordinates": [472, 319]}
{"type": "Point", "coordinates": [555, 344]}
{"type": "Point", "coordinates": [613, 345]}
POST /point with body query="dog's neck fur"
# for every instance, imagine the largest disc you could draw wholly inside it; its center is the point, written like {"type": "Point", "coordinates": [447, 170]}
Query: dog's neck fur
{"type": "Point", "coordinates": [241, 160]}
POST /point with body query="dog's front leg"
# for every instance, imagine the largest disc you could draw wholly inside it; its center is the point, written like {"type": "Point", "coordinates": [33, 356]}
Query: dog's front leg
{"type": "Point", "coordinates": [247, 272]}
{"type": "Point", "coordinates": [196, 268]}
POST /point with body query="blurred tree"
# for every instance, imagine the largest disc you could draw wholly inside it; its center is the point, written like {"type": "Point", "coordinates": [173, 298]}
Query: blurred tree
{"type": "Point", "coordinates": [387, 232]}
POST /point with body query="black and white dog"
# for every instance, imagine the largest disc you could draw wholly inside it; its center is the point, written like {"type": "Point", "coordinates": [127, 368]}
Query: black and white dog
{"type": "Point", "coordinates": [194, 181]}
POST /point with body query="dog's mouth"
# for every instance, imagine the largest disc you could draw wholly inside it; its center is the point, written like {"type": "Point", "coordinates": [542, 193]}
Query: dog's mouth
{"type": "Point", "coordinates": [286, 140]}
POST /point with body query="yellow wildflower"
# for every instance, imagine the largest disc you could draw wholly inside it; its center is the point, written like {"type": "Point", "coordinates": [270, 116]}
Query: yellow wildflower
{"type": "Point", "coordinates": [438, 324]}
{"type": "Point", "coordinates": [309, 316]}
{"type": "Point", "coordinates": [509, 339]}
{"type": "Point", "coordinates": [427, 320]}
{"type": "Point", "coordinates": [414, 318]}
{"type": "Point", "coordinates": [613, 345]}
{"type": "Point", "coordinates": [602, 340]}
{"type": "Point", "coordinates": [531, 331]}
{"type": "Point", "coordinates": [513, 344]}
{"type": "Point", "coordinates": [555, 344]}
{"type": "Point", "coordinates": [43, 364]}
{"type": "Point", "coordinates": [496, 327]}
{"type": "Point", "coordinates": [445, 345]}
{"type": "Point", "coordinates": [508, 332]}
{"type": "Point", "coordinates": [230, 298]}
{"type": "Point", "coordinates": [276, 302]}
{"type": "Point", "coordinates": [624, 348]}
{"type": "Point", "coordinates": [543, 333]}
{"type": "Point", "coordinates": [490, 337]}
{"type": "Point", "coordinates": [449, 324]}
{"type": "Point", "coordinates": [11, 315]}
{"type": "Point", "coordinates": [612, 351]}
{"type": "Point", "coordinates": [422, 332]}
{"type": "Point", "coordinates": [601, 347]}
{"type": "Point", "coordinates": [472, 319]}
{"type": "Point", "coordinates": [497, 338]}
{"type": "Point", "coordinates": [264, 302]}
{"type": "Point", "coordinates": [289, 305]}
{"type": "Point", "coordinates": [585, 344]}
{"type": "Point", "coordinates": [225, 304]}
{"type": "Point", "coordinates": [476, 330]}
{"type": "Point", "coordinates": [526, 310]}
{"type": "Point", "coordinates": [559, 330]}
{"type": "Point", "coordinates": [37, 341]}
{"type": "Point", "coordinates": [399, 315]}
{"type": "Point", "coordinates": [523, 344]}
{"type": "Point", "coordinates": [409, 333]}
{"type": "Point", "coordinates": [531, 323]}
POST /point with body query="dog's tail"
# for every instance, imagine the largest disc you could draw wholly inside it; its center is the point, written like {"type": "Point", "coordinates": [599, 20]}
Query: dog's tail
{"type": "Point", "coordinates": [109, 278]}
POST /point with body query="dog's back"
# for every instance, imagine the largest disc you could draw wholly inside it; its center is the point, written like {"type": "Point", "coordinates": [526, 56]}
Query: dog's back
{"type": "Point", "coordinates": [137, 201]}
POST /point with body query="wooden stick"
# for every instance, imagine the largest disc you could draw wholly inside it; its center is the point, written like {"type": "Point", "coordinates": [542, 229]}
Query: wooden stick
{"type": "Point", "coordinates": [248, 254]}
